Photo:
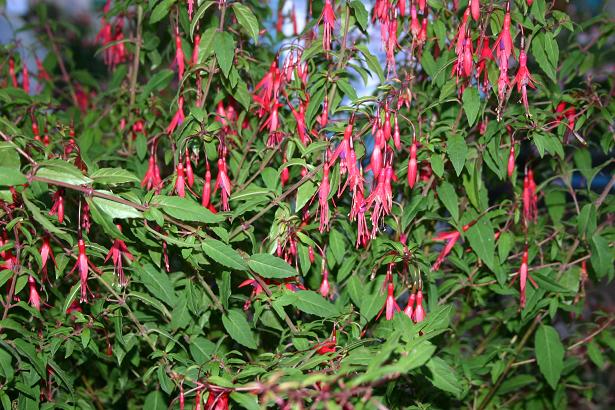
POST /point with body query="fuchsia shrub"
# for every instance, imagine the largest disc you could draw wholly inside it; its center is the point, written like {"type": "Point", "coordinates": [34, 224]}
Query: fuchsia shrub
{"type": "Point", "coordinates": [219, 219]}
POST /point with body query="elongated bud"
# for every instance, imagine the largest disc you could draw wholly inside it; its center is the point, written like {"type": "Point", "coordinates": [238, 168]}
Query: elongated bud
{"type": "Point", "coordinates": [412, 165]}
{"type": "Point", "coordinates": [511, 160]}
{"type": "Point", "coordinates": [523, 277]}
{"type": "Point", "coordinates": [396, 135]}
{"type": "Point", "coordinates": [475, 6]}
{"type": "Point", "coordinates": [419, 312]}
{"type": "Point", "coordinates": [207, 187]}
{"type": "Point", "coordinates": [324, 285]}
{"type": "Point", "coordinates": [34, 299]}
{"type": "Point", "coordinates": [189, 172]}
{"type": "Point", "coordinates": [195, 50]}
{"type": "Point", "coordinates": [180, 181]}
{"type": "Point", "coordinates": [25, 78]}
{"type": "Point", "coordinates": [409, 310]}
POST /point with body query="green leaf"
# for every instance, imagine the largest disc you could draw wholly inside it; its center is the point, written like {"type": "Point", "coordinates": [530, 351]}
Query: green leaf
{"type": "Point", "coordinates": [157, 82]}
{"type": "Point", "coordinates": [269, 266]}
{"type": "Point", "coordinates": [63, 172]}
{"type": "Point", "coordinates": [224, 47]}
{"type": "Point", "coordinates": [602, 256]}
{"type": "Point", "coordinates": [155, 401]}
{"type": "Point", "coordinates": [245, 400]}
{"type": "Point", "coordinates": [197, 16]}
{"type": "Point", "coordinates": [457, 151]}
{"type": "Point", "coordinates": [482, 240]}
{"type": "Point", "coordinates": [113, 176]}
{"type": "Point", "coordinates": [471, 104]}
{"type": "Point", "coordinates": [549, 354]}
{"type": "Point", "coordinates": [11, 176]}
{"type": "Point", "coordinates": [360, 14]}
{"type": "Point", "coordinates": [238, 328]}
{"type": "Point", "coordinates": [372, 62]}
{"type": "Point", "coordinates": [223, 254]}
{"type": "Point", "coordinates": [304, 194]}
{"type": "Point", "coordinates": [116, 209]}
{"type": "Point", "coordinates": [160, 11]}
{"type": "Point", "coordinates": [540, 54]}
{"type": "Point", "coordinates": [444, 377]}
{"type": "Point", "coordinates": [186, 209]}
{"type": "Point", "coordinates": [158, 283]}
{"type": "Point", "coordinates": [313, 303]}
{"type": "Point", "coordinates": [448, 196]}
{"type": "Point", "coordinates": [247, 19]}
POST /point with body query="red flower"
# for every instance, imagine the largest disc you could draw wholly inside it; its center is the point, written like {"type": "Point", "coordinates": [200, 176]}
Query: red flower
{"type": "Point", "coordinates": [82, 265]}
{"type": "Point", "coordinates": [46, 252]}
{"type": "Point", "coordinates": [117, 251]}
{"type": "Point", "coordinates": [328, 18]}
{"type": "Point", "coordinates": [58, 205]}
{"type": "Point", "coordinates": [180, 181]}
{"type": "Point", "coordinates": [34, 298]}
{"type": "Point", "coordinates": [419, 313]}
{"type": "Point", "coordinates": [530, 199]}
{"type": "Point", "coordinates": [412, 165]}
{"type": "Point", "coordinates": [323, 199]}
{"type": "Point", "coordinates": [523, 79]}
{"type": "Point", "coordinates": [179, 55]}
{"type": "Point", "coordinates": [179, 117]}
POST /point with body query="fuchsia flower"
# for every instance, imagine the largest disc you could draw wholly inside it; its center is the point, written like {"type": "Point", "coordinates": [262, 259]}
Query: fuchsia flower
{"type": "Point", "coordinates": [152, 177]}
{"type": "Point", "coordinates": [34, 298]}
{"type": "Point", "coordinates": [12, 72]}
{"type": "Point", "coordinates": [188, 167]}
{"type": "Point", "coordinates": [323, 199]}
{"type": "Point", "coordinates": [117, 251]}
{"type": "Point", "coordinates": [485, 55]}
{"type": "Point", "coordinates": [511, 159]}
{"type": "Point", "coordinates": [83, 265]}
{"type": "Point", "coordinates": [419, 313]}
{"type": "Point", "coordinates": [224, 183]}
{"type": "Point", "coordinates": [414, 21]}
{"type": "Point", "coordinates": [523, 277]}
{"type": "Point", "coordinates": [390, 304]}
{"type": "Point", "coordinates": [269, 87]}
{"type": "Point", "coordinates": [179, 116]}
{"type": "Point", "coordinates": [412, 165]}
{"type": "Point", "coordinates": [180, 181]}
{"type": "Point", "coordinates": [504, 44]}
{"type": "Point", "coordinates": [41, 73]}
{"type": "Point", "coordinates": [179, 54]}
{"type": "Point", "coordinates": [195, 50]}
{"type": "Point", "coordinates": [206, 201]}
{"type": "Point", "coordinates": [475, 6]}
{"type": "Point", "coordinates": [324, 285]}
{"type": "Point", "coordinates": [381, 198]}
{"type": "Point", "coordinates": [58, 205]}
{"type": "Point", "coordinates": [452, 237]}
{"type": "Point", "coordinates": [569, 112]}
{"type": "Point", "coordinates": [46, 252]}
{"type": "Point", "coordinates": [530, 199]}
{"type": "Point", "coordinates": [327, 346]}
{"type": "Point", "coordinates": [409, 310]}
{"type": "Point", "coordinates": [328, 19]}
{"type": "Point", "coordinates": [523, 79]}
{"type": "Point", "coordinates": [25, 81]}
{"type": "Point", "coordinates": [190, 9]}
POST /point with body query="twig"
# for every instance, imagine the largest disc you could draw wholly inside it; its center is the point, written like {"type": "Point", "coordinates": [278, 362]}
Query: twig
{"type": "Point", "coordinates": [605, 192]}
{"type": "Point", "coordinates": [135, 62]}
{"type": "Point", "coordinates": [520, 346]}
{"type": "Point", "coordinates": [273, 203]}
{"type": "Point", "coordinates": [65, 75]}
{"type": "Point", "coordinates": [22, 152]}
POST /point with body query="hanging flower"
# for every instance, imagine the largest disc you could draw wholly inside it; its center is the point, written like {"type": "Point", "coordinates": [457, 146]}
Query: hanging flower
{"type": "Point", "coordinates": [118, 251]}
{"type": "Point", "coordinates": [328, 19]}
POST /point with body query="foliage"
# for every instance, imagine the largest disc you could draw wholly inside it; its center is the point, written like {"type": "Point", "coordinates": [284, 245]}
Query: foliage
{"type": "Point", "coordinates": [293, 242]}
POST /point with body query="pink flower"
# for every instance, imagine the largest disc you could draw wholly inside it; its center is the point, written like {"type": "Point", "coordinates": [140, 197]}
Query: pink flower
{"type": "Point", "coordinates": [530, 199]}
{"type": "Point", "coordinates": [409, 310]}
{"type": "Point", "coordinates": [390, 304]}
{"type": "Point", "coordinates": [324, 285]}
{"type": "Point", "coordinates": [82, 265]}
{"type": "Point", "coordinates": [328, 18]}
{"type": "Point", "coordinates": [179, 55]}
{"type": "Point", "coordinates": [117, 251]}
{"type": "Point", "coordinates": [152, 176]}
{"type": "Point", "coordinates": [179, 116]}
{"type": "Point", "coordinates": [58, 205]}
{"type": "Point", "coordinates": [223, 182]}
{"type": "Point", "coordinates": [206, 202]}
{"type": "Point", "coordinates": [323, 199]}
{"type": "Point", "coordinates": [46, 252]}
{"type": "Point", "coordinates": [189, 172]}
{"type": "Point", "coordinates": [35, 298]}
{"type": "Point", "coordinates": [412, 165]}
{"type": "Point", "coordinates": [419, 313]}
{"type": "Point", "coordinates": [195, 50]}
{"type": "Point", "coordinates": [523, 79]}
{"type": "Point", "coordinates": [180, 181]}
